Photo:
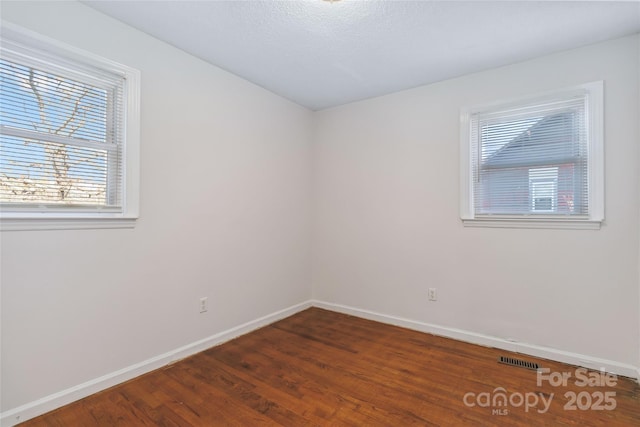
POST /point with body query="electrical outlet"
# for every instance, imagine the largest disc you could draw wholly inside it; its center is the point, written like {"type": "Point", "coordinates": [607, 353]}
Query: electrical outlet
{"type": "Point", "coordinates": [433, 294]}
{"type": "Point", "coordinates": [203, 304]}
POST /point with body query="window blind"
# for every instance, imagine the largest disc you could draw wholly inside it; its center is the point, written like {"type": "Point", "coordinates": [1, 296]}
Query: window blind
{"type": "Point", "coordinates": [61, 135]}
{"type": "Point", "coordinates": [531, 160]}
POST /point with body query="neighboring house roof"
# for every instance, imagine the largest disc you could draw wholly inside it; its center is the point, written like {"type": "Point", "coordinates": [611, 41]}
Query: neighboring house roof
{"type": "Point", "coordinates": [551, 140]}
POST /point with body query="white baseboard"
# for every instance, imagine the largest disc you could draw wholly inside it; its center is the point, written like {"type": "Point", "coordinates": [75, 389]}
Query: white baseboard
{"type": "Point", "coordinates": [590, 362]}
{"type": "Point", "coordinates": [64, 397]}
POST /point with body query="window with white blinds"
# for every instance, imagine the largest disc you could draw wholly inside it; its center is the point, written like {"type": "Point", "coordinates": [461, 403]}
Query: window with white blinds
{"type": "Point", "coordinates": [66, 132]}
{"type": "Point", "coordinates": [534, 161]}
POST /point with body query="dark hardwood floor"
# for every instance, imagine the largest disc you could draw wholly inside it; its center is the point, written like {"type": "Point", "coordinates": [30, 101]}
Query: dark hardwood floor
{"type": "Point", "coordinates": [328, 369]}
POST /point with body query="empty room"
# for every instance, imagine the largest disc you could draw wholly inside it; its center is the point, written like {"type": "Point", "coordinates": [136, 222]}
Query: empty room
{"type": "Point", "coordinates": [320, 212]}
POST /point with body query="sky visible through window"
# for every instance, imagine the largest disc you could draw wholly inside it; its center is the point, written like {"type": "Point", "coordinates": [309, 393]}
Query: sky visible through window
{"type": "Point", "coordinates": [37, 101]}
{"type": "Point", "coordinates": [494, 136]}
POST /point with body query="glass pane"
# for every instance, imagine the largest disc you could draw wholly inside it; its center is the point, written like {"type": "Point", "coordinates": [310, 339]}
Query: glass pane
{"type": "Point", "coordinates": [51, 173]}
{"type": "Point", "coordinates": [39, 101]}
{"type": "Point", "coordinates": [534, 163]}
{"type": "Point", "coordinates": [37, 170]}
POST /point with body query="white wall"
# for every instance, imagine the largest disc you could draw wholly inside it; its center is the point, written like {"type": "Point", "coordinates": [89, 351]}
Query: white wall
{"type": "Point", "coordinates": [386, 217]}
{"type": "Point", "coordinates": [224, 213]}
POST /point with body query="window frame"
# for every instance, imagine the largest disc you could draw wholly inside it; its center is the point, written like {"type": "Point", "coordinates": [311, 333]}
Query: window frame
{"type": "Point", "coordinates": [594, 92]}
{"type": "Point", "coordinates": [18, 41]}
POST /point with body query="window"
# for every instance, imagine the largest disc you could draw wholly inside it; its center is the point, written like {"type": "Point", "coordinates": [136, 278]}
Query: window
{"type": "Point", "coordinates": [69, 136]}
{"type": "Point", "coordinates": [536, 162]}
{"type": "Point", "coordinates": [543, 189]}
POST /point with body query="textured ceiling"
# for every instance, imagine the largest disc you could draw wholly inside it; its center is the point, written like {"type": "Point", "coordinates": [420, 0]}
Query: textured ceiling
{"type": "Point", "coordinates": [322, 54]}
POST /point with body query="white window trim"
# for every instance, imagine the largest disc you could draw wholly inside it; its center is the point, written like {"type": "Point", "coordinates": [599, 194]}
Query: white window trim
{"type": "Point", "coordinates": [596, 166]}
{"type": "Point", "coordinates": [60, 220]}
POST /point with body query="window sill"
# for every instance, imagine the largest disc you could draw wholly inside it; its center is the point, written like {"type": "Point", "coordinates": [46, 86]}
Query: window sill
{"type": "Point", "coordinates": [61, 223]}
{"type": "Point", "coordinates": [567, 224]}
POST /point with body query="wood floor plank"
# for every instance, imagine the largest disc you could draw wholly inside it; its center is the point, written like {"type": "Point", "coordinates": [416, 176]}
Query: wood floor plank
{"type": "Point", "coordinates": [321, 368]}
